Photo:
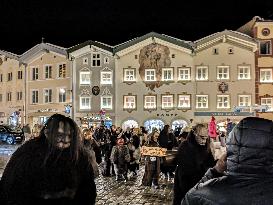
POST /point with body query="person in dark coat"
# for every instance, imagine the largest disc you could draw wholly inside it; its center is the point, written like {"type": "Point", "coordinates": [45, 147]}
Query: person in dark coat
{"type": "Point", "coordinates": [248, 178]}
{"type": "Point", "coordinates": [51, 169]}
{"type": "Point", "coordinates": [152, 163]}
{"type": "Point", "coordinates": [194, 158]}
{"type": "Point", "coordinates": [167, 140]}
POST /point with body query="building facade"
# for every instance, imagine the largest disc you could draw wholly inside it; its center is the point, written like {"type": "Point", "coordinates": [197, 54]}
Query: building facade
{"type": "Point", "coordinates": [153, 82]}
{"type": "Point", "coordinates": [48, 83]}
{"type": "Point", "coordinates": [93, 84]}
{"type": "Point", "coordinates": [162, 80]}
{"type": "Point", "coordinates": [12, 89]}
{"type": "Point", "coordinates": [262, 31]}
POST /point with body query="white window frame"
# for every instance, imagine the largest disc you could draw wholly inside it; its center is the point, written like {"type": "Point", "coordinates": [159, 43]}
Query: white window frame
{"type": "Point", "coordinates": [85, 81]}
{"type": "Point", "coordinates": [167, 70]}
{"type": "Point", "coordinates": [129, 102]}
{"type": "Point", "coordinates": [181, 101]}
{"type": "Point", "coordinates": [95, 59]}
{"type": "Point", "coordinates": [182, 74]}
{"type": "Point", "coordinates": [106, 81]}
{"type": "Point", "coordinates": [243, 72]}
{"type": "Point", "coordinates": [36, 96]}
{"type": "Point", "coordinates": [64, 70]}
{"type": "Point", "coordinates": [202, 101]}
{"type": "Point", "coordinates": [50, 95]}
{"type": "Point", "coordinates": [264, 70]}
{"type": "Point", "coordinates": [108, 106]}
{"type": "Point", "coordinates": [60, 95]}
{"type": "Point", "coordinates": [148, 77]}
{"type": "Point", "coordinates": [221, 103]}
{"type": "Point", "coordinates": [268, 102]}
{"type": "Point", "coordinates": [19, 95]}
{"type": "Point", "coordinates": [167, 101]}
{"type": "Point", "coordinates": [86, 106]}
{"type": "Point", "coordinates": [128, 77]}
{"type": "Point", "coordinates": [244, 100]}
{"type": "Point", "coordinates": [204, 73]}
{"type": "Point", "coordinates": [150, 102]}
{"type": "Point", "coordinates": [221, 74]}
{"type": "Point", "coordinates": [48, 75]}
{"type": "Point", "coordinates": [9, 96]}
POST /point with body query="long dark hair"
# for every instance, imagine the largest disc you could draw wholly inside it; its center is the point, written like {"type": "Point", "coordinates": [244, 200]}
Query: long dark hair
{"type": "Point", "coordinates": [52, 126]}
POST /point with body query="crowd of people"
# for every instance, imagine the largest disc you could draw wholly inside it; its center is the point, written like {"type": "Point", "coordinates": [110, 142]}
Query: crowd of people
{"type": "Point", "coordinates": [61, 164]}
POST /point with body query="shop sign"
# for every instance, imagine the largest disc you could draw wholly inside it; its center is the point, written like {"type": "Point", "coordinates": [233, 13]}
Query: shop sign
{"type": "Point", "coordinates": [47, 110]}
{"type": "Point", "coordinates": [166, 115]}
{"type": "Point", "coordinates": [223, 113]}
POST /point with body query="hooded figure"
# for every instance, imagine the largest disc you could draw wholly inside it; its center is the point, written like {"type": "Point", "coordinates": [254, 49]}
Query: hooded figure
{"type": "Point", "coordinates": [249, 169]}
{"type": "Point", "coordinates": [194, 158]}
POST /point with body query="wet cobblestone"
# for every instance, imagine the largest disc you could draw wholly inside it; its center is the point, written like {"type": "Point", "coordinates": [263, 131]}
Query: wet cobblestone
{"type": "Point", "coordinates": [111, 192]}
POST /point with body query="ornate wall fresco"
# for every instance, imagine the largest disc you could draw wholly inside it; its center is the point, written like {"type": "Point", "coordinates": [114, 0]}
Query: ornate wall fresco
{"type": "Point", "coordinates": [154, 56]}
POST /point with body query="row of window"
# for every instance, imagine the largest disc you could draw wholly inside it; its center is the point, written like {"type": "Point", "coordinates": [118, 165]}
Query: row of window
{"type": "Point", "coordinates": [19, 96]}
{"type": "Point", "coordinates": [48, 69]}
{"type": "Point", "coordinates": [47, 95]}
{"type": "Point", "coordinates": [167, 102]}
{"type": "Point", "coordinates": [9, 76]}
{"type": "Point", "coordinates": [95, 60]}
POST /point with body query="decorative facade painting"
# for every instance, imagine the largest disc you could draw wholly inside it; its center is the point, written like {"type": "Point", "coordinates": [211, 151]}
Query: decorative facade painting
{"type": "Point", "coordinates": [153, 56]}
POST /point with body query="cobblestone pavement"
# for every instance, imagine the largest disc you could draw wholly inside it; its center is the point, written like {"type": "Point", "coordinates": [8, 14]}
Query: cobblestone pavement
{"type": "Point", "coordinates": [132, 192]}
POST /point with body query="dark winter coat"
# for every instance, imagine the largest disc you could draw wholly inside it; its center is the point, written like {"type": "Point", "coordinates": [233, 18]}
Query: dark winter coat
{"type": "Point", "coordinates": [167, 140]}
{"type": "Point", "coordinates": [193, 161]}
{"type": "Point", "coordinates": [26, 180]}
{"type": "Point", "coordinates": [152, 169]}
{"type": "Point", "coordinates": [249, 176]}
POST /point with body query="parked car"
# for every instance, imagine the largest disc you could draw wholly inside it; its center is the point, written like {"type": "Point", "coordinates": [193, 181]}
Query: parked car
{"type": "Point", "coordinates": [11, 136]}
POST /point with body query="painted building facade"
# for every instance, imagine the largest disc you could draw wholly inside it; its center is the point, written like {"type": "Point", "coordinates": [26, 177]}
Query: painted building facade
{"type": "Point", "coordinates": [262, 31]}
{"type": "Point", "coordinates": [153, 82]}
{"type": "Point", "coordinates": [224, 76]}
{"type": "Point", "coordinates": [94, 91]}
{"type": "Point", "coordinates": [48, 83]}
{"type": "Point", "coordinates": [162, 80]}
{"type": "Point", "coordinates": [12, 92]}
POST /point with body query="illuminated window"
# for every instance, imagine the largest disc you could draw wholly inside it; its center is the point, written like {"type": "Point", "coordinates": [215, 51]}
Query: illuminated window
{"type": "Point", "coordinates": [150, 102]}
{"type": "Point", "coordinates": [244, 100]}
{"type": "Point", "coordinates": [222, 72]}
{"type": "Point", "coordinates": [62, 71]}
{"type": "Point", "coordinates": [184, 74]}
{"type": "Point", "coordinates": [223, 101]}
{"type": "Point", "coordinates": [167, 101]}
{"type": "Point", "coordinates": [167, 74]}
{"type": "Point", "coordinates": [268, 102]}
{"type": "Point", "coordinates": [106, 77]}
{"type": "Point", "coordinates": [85, 77]}
{"type": "Point", "coordinates": [184, 101]}
{"type": "Point", "coordinates": [150, 75]}
{"type": "Point", "coordinates": [62, 95]}
{"type": "Point", "coordinates": [129, 74]}
{"type": "Point", "coordinates": [202, 73]}
{"type": "Point", "coordinates": [106, 102]}
{"type": "Point", "coordinates": [243, 72]}
{"type": "Point", "coordinates": [265, 75]}
{"type": "Point", "coordinates": [85, 102]}
{"type": "Point", "coordinates": [202, 101]}
{"type": "Point", "coordinates": [129, 102]}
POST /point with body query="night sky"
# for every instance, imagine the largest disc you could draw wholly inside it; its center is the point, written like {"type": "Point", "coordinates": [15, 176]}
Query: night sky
{"type": "Point", "coordinates": [66, 23]}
